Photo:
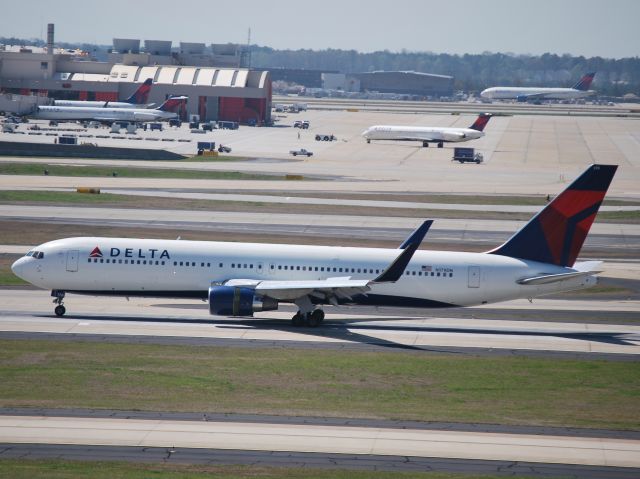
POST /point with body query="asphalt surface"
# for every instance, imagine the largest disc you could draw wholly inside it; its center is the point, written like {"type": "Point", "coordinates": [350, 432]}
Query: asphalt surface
{"type": "Point", "coordinates": [179, 455]}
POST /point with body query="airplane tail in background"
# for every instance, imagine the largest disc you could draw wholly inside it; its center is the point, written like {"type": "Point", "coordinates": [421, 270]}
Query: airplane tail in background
{"type": "Point", "coordinates": [141, 95]}
{"type": "Point", "coordinates": [481, 121]}
{"type": "Point", "coordinates": [173, 104]}
{"type": "Point", "coordinates": [556, 234]}
{"type": "Point", "coordinates": [585, 82]}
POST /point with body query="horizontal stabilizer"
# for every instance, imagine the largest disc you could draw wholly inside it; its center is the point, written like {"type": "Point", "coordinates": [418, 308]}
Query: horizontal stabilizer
{"type": "Point", "coordinates": [554, 278]}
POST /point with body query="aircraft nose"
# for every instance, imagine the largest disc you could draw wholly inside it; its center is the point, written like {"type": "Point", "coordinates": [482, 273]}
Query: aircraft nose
{"type": "Point", "coordinates": [18, 266]}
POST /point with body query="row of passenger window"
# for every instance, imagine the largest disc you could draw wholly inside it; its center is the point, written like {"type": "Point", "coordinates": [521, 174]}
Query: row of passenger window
{"type": "Point", "coordinates": [125, 261]}
{"type": "Point", "coordinates": [272, 267]}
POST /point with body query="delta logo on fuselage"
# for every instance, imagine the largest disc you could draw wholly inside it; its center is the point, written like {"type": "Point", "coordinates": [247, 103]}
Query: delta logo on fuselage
{"type": "Point", "coordinates": [151, 253]}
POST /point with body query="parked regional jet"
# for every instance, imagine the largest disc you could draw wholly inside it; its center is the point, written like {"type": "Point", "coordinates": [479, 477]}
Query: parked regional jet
{"type": "Point", "coordinates": [138, 99]}
{"type": "Point", "coordinates": [239, 279]}
{"type": "Point", "coordinates": [166, 111]}
{"type": "Point", "coordinates": [579, 90]}
{"type": "Point", "coordinates": [428, 134]}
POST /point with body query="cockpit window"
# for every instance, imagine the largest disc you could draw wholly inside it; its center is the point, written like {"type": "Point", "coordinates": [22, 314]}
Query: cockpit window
{"type": "Point", "coordinates": [35, 254]}
{"type": "Point", "coordinates": [30, 253]}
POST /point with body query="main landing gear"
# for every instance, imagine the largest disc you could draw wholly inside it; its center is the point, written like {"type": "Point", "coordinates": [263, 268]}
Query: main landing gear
{"type": "Point", "coordinates": [312, 319]}
{"type": "Point", "coordinates": [59, 309]}
{"type": "Point", "coordinates": [308, 314]}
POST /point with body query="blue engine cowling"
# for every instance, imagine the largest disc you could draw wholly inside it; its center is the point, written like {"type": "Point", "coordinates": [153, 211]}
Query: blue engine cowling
{"type": "Point", "coordinates": [238, 301]}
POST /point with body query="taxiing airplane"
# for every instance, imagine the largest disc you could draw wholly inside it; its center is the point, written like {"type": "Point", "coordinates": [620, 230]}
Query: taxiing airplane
{"type": "Point", "coordinates": [579, 90]}
{"type": "Point", "coordinates": [166, 111]}
{"type": "Point", "coordinates": [428, 134]}
{"type": "Point", "coordinates": [239, 279]}
{"type": "Point", "coordinates": [138, 99]}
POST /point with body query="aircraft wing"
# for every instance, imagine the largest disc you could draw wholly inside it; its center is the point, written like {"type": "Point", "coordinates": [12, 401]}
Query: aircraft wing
{"type": "Point", "coordinates": [333, 289]}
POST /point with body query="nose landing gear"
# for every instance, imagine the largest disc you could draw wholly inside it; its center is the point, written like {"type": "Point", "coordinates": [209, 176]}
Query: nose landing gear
{"type": "Point", "coordinates": [59, 309]}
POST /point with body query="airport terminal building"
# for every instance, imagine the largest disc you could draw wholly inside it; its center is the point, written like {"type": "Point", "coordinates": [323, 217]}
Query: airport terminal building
{"type": "Point", "coordinates": [215, 79]}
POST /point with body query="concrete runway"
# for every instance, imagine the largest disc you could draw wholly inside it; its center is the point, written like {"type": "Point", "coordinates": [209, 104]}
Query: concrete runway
{"type": "Point", "coordinates": [524, 154]}
{"type": "Point", "coordinates": [320, 439]}
{"type": "Point", "coordinates": [493, 232]}
{"type": "Point", "coordinates": [189, 322]}
{"type": "Point", "coordinates": [301, 200]}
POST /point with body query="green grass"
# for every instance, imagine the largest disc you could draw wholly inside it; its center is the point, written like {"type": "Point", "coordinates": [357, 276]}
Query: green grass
{"type": "Point", "coordinates": [7, 278]}
{"type": "Point", "coordinates": [11, 196]}
{"type": "Point", "coordinates": [126, 172]}
{"type": "Point", "coordinates": [619, 215]}
{"type": "Point", "coordinates": [389, 385]}
{"type": "Point", "coordinates": [59, 469]}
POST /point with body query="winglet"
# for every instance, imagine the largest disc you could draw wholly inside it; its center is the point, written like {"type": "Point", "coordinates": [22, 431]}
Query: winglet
{"type": "Point", "coordinates": [396, 269]}
{"type": "Point", "coordinates": [418, 235]}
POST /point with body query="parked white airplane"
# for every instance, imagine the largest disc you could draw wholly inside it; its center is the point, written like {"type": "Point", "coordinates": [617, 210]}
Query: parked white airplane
{"type": "Point", "coordinates": [579, 90]}
{"type": "Point", "coordinates": [238, 279]}
{"type": "Point", "coordinates": [137, 100]}
{"type": "Point", "coordinates": [428, 134]}
{"type": "Point", "coordinates": [166, 111]}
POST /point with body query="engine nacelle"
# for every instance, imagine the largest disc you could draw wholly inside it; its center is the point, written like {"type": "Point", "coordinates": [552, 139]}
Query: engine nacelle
{"type": "Point", "coordinates": [238, 301]}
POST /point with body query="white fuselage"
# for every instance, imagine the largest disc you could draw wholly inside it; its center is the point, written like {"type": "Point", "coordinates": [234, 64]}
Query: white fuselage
{"type": "Point", "coordinates": [514, 93]}
{"type": "Point", "coordinates": [97, 104]}
{"type": "Point", "coordinates": [421, 133]}
{"type": "Point", "coordinates": [173, 268]}
{"type": "Point", "coordinates": [101, 114]}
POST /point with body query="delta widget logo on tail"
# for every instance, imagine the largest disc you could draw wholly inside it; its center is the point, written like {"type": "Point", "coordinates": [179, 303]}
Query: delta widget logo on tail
{"type": "Point", "coordinates": [96, 253]}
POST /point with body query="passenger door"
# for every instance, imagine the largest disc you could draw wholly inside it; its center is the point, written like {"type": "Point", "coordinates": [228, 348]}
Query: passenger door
{"type": "Point", "coordinates": [72, 260]}
{"type": "Point", "coordinates": [474, 277]}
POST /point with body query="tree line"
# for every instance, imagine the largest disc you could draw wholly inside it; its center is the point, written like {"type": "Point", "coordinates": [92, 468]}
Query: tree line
{"type": "Point", "coordinates": [615, 77]}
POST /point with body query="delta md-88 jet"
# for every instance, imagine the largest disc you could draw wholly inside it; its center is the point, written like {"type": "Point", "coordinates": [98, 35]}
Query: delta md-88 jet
{"type": "Point", "coordinates": [428, 134]}
{"type": "Point", "coordinates": [240, 279]}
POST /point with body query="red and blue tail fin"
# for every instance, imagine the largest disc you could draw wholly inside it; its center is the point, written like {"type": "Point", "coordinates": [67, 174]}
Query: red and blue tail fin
{"type": "Point", "coordinates": [481, 121]}
{"type": "Point", "coordinates": [173, 104]}
{"type": "Point", "coordinates": [585, 82]}
{"type": "Point", "coordinates": [556, 234]}
{"type": "Point", "coordinates": [141, 95]}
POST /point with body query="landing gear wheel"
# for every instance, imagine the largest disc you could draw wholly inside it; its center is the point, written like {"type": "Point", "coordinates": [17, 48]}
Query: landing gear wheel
{"type": "Point", "coordinates": [425, 144]}
{"type": "Point", "coordinates": [60, 310]}
{"type": "Point", "coordinates": [298, 319]}
{"type": "Point", "coordinates": [314, 318]}
{"type": "Point", "coordinates": [319, 315]}
{"type": "Point", "coordinates": [440, 145]}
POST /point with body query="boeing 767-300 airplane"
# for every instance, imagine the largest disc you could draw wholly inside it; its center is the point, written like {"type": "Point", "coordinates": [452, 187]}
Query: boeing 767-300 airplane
{"type": "Point", "coordinates": [239, 279]}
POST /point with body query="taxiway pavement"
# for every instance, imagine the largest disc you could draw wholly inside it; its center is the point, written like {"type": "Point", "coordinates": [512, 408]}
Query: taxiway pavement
{"type": "Point", "coordinates": [142, 319]}
{"type": "Point", "coordinates": [320, 439]}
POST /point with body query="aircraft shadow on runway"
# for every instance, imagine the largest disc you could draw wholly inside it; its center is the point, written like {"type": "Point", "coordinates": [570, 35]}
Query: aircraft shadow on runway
{"type": "Point", "coordinates": [351, 330]}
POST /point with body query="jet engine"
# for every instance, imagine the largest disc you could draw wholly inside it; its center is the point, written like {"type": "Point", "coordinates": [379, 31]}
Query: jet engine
{"type": "Point", "coordinates": [238, 301]}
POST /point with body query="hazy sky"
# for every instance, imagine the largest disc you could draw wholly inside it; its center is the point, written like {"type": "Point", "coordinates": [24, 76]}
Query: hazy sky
{"type": "Point", "coordinates": [608, 28]}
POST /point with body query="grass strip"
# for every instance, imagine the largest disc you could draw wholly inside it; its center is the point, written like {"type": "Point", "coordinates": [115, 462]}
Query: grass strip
{"type": "Point", "coordinates": [126, 172]}
{"type": "Point", "coordinates": [390, 385]}
{"type": "Point", "coordinates": [60, 469]}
